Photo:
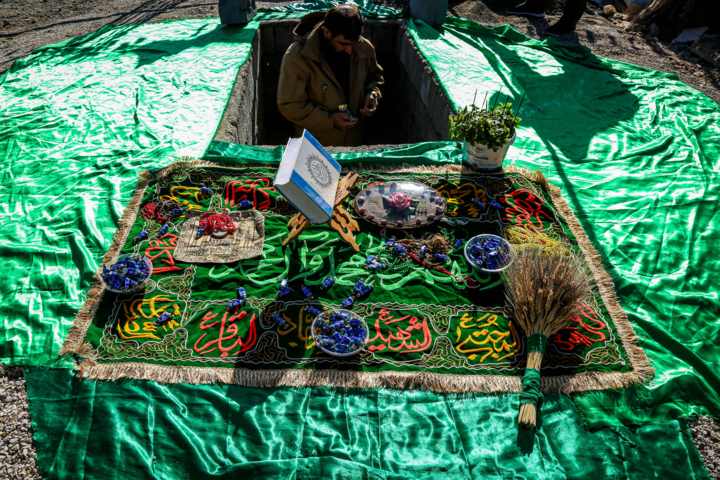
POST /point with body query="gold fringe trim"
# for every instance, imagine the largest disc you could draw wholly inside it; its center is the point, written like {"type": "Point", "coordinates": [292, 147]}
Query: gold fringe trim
{"type": "Point", "coordinates": [74, 341]}
{"type": "Point", "coordinates": [642, 369]}
{"type": "Point", "coordinates": [436, 382]}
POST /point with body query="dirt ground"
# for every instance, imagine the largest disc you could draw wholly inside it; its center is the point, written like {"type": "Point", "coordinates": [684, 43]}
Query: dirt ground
{"type": "Point", "coordinates": [606, 40]}
{"type": "Point", "coordinates": [28, 24]}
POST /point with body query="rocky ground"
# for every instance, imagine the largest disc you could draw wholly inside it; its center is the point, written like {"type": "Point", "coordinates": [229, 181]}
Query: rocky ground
{"type": "Point", "coordinates": [17, 452]}
{"type": "Point", "coordinates": [28, 24]}
{"type": "Point", "coordinates": [706, 435]}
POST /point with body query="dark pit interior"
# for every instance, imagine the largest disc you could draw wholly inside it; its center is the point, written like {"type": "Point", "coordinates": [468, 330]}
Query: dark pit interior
{"type": "Point", "coordinates": [414, 107]}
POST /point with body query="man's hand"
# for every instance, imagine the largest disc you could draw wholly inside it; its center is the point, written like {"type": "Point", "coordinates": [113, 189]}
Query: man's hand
{"type": "Point", "coordinates": [370, 105]}
{"type": "Point", "coordinates": [343, 121]}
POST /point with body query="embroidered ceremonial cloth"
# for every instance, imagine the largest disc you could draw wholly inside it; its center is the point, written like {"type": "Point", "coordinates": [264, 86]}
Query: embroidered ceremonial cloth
{"type": "Point", "coordinates": [428, 328]}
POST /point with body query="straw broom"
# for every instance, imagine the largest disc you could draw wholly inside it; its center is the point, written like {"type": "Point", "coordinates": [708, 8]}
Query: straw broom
{"type": "Point", "coordinates": [542, 288]}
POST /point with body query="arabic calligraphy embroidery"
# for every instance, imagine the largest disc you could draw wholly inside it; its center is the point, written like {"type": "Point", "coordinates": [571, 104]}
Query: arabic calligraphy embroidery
{"type": "Point", "coordinates": [493, 343]}
{"type": "Point", "coordinates": [128, 329]}
{"type": "Point", "coordinates": [256, 190]}
{"type": "Point", "coordinates": [165, 245]}
{"type": "Point", "coordinates": [403, 334]}
{"type": "Point", "coordinates": [228, 331]}
{"type": "Point", "coordinates": [577, 333]}
{"type": "Point", "coordinates": [525, 208]}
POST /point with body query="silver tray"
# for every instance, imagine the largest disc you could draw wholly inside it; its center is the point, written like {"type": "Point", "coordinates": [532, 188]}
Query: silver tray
{"type": "Point", "coordinates": [400, 205]}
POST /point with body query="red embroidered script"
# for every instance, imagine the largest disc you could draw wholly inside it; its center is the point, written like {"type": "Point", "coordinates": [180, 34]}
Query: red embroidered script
{"type": "Point", "coordinates": [525, 208]}
{"type": "Point", "coordinates": [583, 333]}
{"type": "Point", "coordinates": [402, 335]}
{"type": "Point", "coordinates": [228, 333]}
{"type": "Point", "coordinates": [163, 247]}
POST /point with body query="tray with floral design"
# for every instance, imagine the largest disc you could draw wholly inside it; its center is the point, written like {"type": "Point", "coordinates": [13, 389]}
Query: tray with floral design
{"type": "Point", "coordinates": [400, 204]}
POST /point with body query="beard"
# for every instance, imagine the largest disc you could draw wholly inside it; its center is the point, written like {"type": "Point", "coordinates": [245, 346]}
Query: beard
{"type": "Point", "coordinates": [329, 51]}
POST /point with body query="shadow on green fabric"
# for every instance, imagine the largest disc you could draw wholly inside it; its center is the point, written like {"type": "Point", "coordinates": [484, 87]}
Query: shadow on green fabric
{"type": "Point", "coordinates": [137, 429]}
{"type": "Point", "coordinates": [636, 152]}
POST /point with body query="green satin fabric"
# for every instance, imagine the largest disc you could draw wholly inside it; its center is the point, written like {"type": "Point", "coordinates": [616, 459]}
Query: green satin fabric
{"type": "Point", "coordinates": [428, 153]}
{"type": "Point", "coordinates": [637, 156]}
{"type": "Point", "coordinates": [78, 121]}
{"type": "Point", "coordinates": [367, 7]}
{"type": "Point", "coordinates": [636, 152]}
{"type": "Point", "coordinates": [135, 429]}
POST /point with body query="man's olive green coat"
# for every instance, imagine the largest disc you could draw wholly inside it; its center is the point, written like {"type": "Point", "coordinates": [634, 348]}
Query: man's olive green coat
{"type": "Point", "coordinates": [309, 94]}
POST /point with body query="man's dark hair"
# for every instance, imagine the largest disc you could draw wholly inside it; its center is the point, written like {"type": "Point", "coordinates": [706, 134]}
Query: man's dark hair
{"type": "Point", "coordinates": [344, 20]}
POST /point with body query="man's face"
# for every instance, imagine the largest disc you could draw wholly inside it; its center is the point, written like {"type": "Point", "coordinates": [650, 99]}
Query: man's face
{"type": "Point", "coordinates": [339, 43]}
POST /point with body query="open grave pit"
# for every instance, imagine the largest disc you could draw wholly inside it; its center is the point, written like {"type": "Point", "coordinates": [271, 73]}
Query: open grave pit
{"type": "Point", "coordinates": [414, 107]}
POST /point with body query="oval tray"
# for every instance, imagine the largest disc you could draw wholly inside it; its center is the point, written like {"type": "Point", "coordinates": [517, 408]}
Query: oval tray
{"type": "Point", "coordinates": [374, 205]}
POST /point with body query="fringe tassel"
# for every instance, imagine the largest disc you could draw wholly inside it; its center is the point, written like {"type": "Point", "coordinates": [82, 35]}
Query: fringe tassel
{"type": "Point", "coordinates": [74, 341]}
{"type": "Point", "coordinates": [302, 378]}
{"type": "Point", "coordinates": [442, 383]}
{"type": "Point", "coordinates": [642, 369]}
{"type": "Point", "coordinates": [435, 382]}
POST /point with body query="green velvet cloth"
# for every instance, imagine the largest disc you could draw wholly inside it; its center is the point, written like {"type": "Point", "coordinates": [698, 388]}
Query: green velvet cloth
{"type": "Point", "coordinates": [636, 153]}
{"type": "Point", "coordinates": [421, 320]}
{"type": "Point", "coordinates": [135, 429]}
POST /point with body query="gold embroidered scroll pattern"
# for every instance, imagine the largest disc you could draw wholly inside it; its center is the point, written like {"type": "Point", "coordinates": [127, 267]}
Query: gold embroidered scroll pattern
{"type": "Point", "coordinates": [181, 194]}
{"type": "Point", "coordinates": [302, 327]}
{"type": "Point", "coordinates": [129, 329]}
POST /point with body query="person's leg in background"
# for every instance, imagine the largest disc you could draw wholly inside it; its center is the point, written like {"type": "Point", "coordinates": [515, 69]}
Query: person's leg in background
{"type": "Point", "coordinates": [572, 12]}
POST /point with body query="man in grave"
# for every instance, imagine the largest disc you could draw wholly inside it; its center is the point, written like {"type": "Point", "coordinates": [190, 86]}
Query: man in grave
{"type": "Point", "coordinates": [330, 79]}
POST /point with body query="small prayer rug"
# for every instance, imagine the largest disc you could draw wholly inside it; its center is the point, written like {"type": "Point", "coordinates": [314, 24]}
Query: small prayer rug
{"type": "Point", "coordinates": [445, 329]}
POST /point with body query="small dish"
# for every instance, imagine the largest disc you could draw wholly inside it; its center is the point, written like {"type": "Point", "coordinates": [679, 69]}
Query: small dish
{"type": "Point", "coordinates": [504, 249]}
{"type": "Point", "coordinates": [317, 330]}
{"type": "Point", "coordinates": [140, 286]}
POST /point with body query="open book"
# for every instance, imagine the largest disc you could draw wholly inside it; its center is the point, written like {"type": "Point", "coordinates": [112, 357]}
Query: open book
{"type": "Point", "coordinates": [308, 178]}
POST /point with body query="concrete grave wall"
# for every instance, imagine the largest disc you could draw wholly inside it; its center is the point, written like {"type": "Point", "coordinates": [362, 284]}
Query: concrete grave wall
{"type": "Point", "coordinates": [243, 113]}
{"type": "Point", "coordinates": [414, 107]}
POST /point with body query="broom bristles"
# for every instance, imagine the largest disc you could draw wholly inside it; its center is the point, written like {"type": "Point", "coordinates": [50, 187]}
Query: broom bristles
{"type": "Point", "coordinates": [542, 289]}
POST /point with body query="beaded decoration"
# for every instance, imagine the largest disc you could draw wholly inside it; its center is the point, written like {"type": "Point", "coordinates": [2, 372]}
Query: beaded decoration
{"type": "Point", "coordinates": [127, 274]}
{"type": "Point", "coordinates": [489, 252]}
{"type": "Point", "coordinates": [163, 211]}
{"type": "Point", "coordinates": [339, 332]}
{"type": "Point", "coordinates": [430, 252]}
{"type": "Point", "coordinates": [213, 222]}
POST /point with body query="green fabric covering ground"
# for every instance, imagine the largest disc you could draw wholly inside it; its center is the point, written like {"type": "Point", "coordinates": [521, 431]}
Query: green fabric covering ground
{"type": "Point", "coordinates": [135, 429]}
{"type": "Point", "coordinates": [367, 7]}
{"type": "Point", "coordinates": [78, 121]}
{"type": "Point", "coordinates": [637, 157]}
{"type": "Point", "coordinates": [428, 153]}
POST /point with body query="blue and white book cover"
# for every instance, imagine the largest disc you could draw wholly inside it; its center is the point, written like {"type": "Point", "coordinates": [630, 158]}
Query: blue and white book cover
{"type": "Point", "coordinates": [308, 178]}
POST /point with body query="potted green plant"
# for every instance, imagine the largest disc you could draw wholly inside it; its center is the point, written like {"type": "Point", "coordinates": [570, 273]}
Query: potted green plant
{"type": "Point", "coordinates": [486, 134]}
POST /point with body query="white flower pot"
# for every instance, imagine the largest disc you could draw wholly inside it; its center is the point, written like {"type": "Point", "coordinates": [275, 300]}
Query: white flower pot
{"type": "Point", "coordinates": [485, 159]}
